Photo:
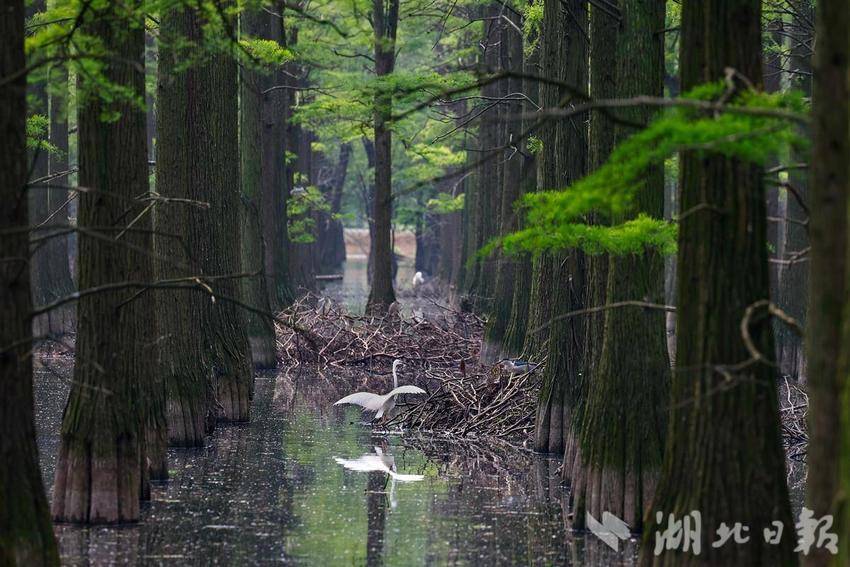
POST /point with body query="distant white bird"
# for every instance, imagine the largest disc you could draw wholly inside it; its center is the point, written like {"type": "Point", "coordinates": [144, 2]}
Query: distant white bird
{"type": "Point", "coordinates": [516, 365]}
{"type": "Point", "coordinates": [383, 404]}
{"type": "Point", "coordinates": [418, 279]}
{"type": "Point", "coordinates": [378, 461]}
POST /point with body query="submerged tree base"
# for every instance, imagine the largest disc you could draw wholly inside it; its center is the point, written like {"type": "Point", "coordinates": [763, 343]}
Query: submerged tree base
{"type": "Point", "coordinates": [98, 482]}
{"type": "Point", "coordinates": [263, 351]}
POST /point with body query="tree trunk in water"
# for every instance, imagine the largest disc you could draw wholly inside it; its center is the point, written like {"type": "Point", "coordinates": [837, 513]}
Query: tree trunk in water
{"type": "Point", "coordinates": [723, 455]}
{"type": "Point", "coordinates": [501, 305]}
{"type": "Point", "coordinates": [625, 417]}
{"type": "Point", "coordinates": [102, 462]}
{"type": "Point", "coordinates": [26, 534]}
{"type": "Point", "coordinates": [558, 408]}
{"type": "Point", "coordinates": [829, 416]}
{"type": "Point", "coordinates": [254, 138]}
{"type": "Point", "coordinates": [217, 181]}
{"type": "Point", "coordinates": [381, 294]}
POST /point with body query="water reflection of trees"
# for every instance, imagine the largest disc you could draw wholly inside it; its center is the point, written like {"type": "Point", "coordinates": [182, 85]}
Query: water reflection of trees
{"type": "Point", "coordinates": [376, 505]}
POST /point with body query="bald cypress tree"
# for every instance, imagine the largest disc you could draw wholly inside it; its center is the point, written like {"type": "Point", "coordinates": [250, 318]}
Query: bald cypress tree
{"type": "Point", "coordinates": [26, 535]}
{"type": "Point", "coordinates": [828, 330]}
{"type": "Point", "coordinates": [102, 461]}
{"type": "Point", "coordinates": [562, 376]}
{"type": "Point", "coordinates": [385, 24]}
{"type": "Point", "coordinates": [499, 312]}
{"type": "Point", "coordinates": [257, 135]}
{"type": "Point", "coordinates": [723, 452]}
{"type": "Point", "coordinates": [625, 416]}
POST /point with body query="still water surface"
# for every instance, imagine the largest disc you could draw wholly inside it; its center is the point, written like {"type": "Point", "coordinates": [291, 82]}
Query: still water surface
{"type": "Point", "coordinates": [277, 490]}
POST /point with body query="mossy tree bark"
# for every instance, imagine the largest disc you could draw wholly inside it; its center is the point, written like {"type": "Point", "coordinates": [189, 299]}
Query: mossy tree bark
{"type": "Point", "coordinates": [827, 334]}
{"type": "Point", "coordinates": [501, 305]}
{"type": "Point", "coordinates": [102, 461]}
{"type": "Point", "coordinates": [185, 364]}
{"type": "Point", "coordinates": [256, 161]}
{"type": "Point", "coordinates": [625, 416]}
{"type": "Point", "coordinates": [558, 408]}
{"type": "Point", "coordinates": [723, 453]}
{"type": "Point", "coordinates": [381, 293]}
{"type": "Point", "coordinates": [26, 534]}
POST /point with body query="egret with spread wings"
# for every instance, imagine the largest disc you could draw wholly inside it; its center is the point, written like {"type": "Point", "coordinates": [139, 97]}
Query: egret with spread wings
{"type": "Point", "coordinates": [382, 404]}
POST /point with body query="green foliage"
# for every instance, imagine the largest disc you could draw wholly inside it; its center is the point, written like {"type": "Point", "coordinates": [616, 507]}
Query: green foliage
{"type": "Point", "coordinates": [301, 207]}
{"type": "Point", "coordinates": [534, 145]}
{"type": "Point", "coordinates": [37, 127]}
{"type": "Point", "coordinates": [445, 203]}
{"type": "Point", "coordinates": [554, 218]}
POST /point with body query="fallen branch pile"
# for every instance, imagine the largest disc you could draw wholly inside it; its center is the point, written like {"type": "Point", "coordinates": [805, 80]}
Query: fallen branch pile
{"type": "Point", "coordinates": [439, 347]}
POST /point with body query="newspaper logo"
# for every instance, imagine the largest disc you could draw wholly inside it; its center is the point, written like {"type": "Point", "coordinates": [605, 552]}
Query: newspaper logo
{"type": "Point", "coordinates": [611, 530]}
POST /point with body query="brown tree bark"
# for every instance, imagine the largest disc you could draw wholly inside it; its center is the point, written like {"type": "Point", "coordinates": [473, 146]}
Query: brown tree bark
{"type": "Point", "coordinates": [509, 191]}
{"type": "Point", "coordinates": [625, 415]}
{"type": "Point", "coordinates": [385, 26]}
{"type": "Point", "coordinates": [256, 163]}
{"type": "Point", "coordinates": [828, 330]}
{"type": "Point", "coordinates": [26, 534]}
{"type": "Point", "coordinates": [723, 454]}
{"type": "Point", "coordinates": [102, 461]}
{"type": "Point", "coordinates": [563, 376]}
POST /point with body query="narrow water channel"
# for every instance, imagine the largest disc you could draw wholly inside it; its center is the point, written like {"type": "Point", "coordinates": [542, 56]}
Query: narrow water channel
{"type": "Point", "coordinates": [293, 486]}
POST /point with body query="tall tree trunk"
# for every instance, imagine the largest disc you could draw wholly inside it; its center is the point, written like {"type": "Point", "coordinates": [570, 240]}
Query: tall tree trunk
{"type": "Point", "coordinates": [501, 305]}
{"type": "Point", "coordinates": [214, 105]}
{"type": "Point", "coordinates": [277, 111]}
{"type": "Point", "coordinates": [560, 396]}
{"type": "Point", "coordinates": [625, 417]}
{"type": "Point", "coordinates": [254, 138]}
{"type": "Point", "coordinates": [102, 462]}
{"type": "Point", "coordinates": [723, 454]}
{"type": "Point", "coordinates": [489, 175]}
{"type": "Point", "coordinates": [385, 24]}
{"type": "Point", "coordinates": [794, 286]}
{"type": "Point", "coordinates": [26, 534]}
{"type": "Point", "coordinates": [185, 364]}
{"type": "Point", "coordinates": [829, 406]}
{"type": "Point", "coordinates": [517, 324]}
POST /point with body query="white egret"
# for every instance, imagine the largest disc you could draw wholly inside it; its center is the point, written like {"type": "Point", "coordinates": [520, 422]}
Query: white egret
{"type": "Point", "coordinates": [383, 404]}
{"type": "Point", "coordinates": [418, 279]}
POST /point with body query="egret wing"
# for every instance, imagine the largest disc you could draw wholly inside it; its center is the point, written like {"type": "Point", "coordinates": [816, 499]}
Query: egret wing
{"type": "Point", "coordinates": [406, 390]}
{"type": "Point", "coordinates": [366, 400]}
